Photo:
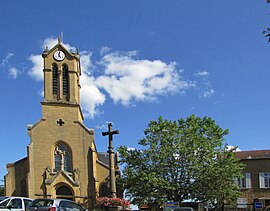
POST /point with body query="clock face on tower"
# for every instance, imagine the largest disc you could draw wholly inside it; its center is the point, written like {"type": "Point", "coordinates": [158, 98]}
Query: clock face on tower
{"type": "Point", "coordinates": [59, 55]}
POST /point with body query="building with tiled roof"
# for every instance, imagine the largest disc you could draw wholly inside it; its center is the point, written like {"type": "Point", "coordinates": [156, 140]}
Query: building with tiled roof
{"type": "Point", "coordinates": [255, 184]}
{"type": "Point", "coordinates": [254, 154]}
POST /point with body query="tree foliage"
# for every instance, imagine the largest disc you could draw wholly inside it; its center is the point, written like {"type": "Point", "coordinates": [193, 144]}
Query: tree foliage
{"type": "Point", "coordinates": [267, 31]}
{"type": "Point", "coordinates": [180, 160]}
{"type": "Point", "coordinates": [2, 188]}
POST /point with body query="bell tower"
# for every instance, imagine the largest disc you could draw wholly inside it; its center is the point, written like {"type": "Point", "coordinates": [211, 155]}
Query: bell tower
{"type": "Point", "coordinates": [61, 77]}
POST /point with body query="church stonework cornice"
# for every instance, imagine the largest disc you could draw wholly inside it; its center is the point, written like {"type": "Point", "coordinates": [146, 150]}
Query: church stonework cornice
{"type": "Point", "coordinates": [52, 177]}
{"type": "Point", "coordinates": [60, 46]}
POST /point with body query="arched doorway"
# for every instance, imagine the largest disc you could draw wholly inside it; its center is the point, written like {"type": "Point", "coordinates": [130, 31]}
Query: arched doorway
{"type": "Point", "coordinates": [64, 192]}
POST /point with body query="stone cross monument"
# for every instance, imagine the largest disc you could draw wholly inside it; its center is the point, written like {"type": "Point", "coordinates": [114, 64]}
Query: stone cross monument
{"type": "Point", "coordinates": [110, 133]}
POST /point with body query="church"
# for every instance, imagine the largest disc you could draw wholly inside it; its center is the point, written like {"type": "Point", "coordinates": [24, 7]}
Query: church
{"type": "Point", "coordinates": [62, 159]}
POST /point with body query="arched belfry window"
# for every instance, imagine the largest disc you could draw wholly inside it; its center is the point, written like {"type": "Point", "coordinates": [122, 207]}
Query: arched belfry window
{"type": "Point", "coordinates": [65, 82]}
{"type": "Point", "coordinates": [62, 157]}
{"type": "Point", "coordinates": [55, 80]}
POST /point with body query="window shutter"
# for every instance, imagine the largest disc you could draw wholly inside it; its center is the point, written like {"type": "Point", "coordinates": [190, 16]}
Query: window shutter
{"type": "Point", "coordinates": [261, 179]}
{"type": "Point", "coordinates": [248, 180]}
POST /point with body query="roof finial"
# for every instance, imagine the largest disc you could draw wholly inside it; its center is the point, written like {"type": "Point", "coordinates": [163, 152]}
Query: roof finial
{"type": "Point", "coordinates": [59, 39]}
{"type": "Point", "coordinates": [62, 36]}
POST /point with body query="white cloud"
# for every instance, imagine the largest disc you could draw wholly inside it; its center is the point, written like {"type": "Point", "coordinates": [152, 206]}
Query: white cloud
{"type": "Point", "coordinates": [86, 65]}
{"type": "Point", "coordinates": [6, 59]}
{"type": "Point", "coordinates": [49, 43]}
{"type": "Point", "coordinates": [208, 93]}
{"type": "Point", "coordinates": [40, 92]}
{"type": "Point", "coordinates": [13, 72]}
{"type": "Point", "coordinates": [126, 79]}
{"type": "Point", "coordinates": [202, 74]}
{"type": "Point", "coordinates": [52, 41]}
{"type": "Point", "coordinates": [104, 50]}
{"type": "Point", "coordinates": [104, 126]}
{"type": "Point", "coordinates": [236, 149]}
{"type": "Point", "coordinates": [204, 85]}
{"type": "Point", "coordinates": [36, 71]}
{"type": "Point", "coordinates": [91, 97]}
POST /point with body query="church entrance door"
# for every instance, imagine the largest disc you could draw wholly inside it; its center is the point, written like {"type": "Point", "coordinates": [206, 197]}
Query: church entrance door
{"type": "Point", "coordinates": [64, 192]}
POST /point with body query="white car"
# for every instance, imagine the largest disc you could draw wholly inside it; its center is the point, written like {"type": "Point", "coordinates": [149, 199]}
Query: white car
{"type": "Point", "coordinates": [14, 203]}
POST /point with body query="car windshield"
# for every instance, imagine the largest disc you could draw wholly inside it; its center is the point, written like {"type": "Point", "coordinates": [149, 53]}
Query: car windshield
{"type": "Point", "coordinates": [41, 203]}
{"type": "Point", "coordinates": [4, 203]}
{"type": "Point", "coordinates": [3, 198]}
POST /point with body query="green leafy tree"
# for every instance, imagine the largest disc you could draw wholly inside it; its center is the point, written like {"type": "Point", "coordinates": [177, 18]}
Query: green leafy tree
{"type": "Point", "coordinates": [2, 188]}
{"type": "Point", "coordinates": [267, 31]}
{"type": "Point", "coordinates": [179, 160]}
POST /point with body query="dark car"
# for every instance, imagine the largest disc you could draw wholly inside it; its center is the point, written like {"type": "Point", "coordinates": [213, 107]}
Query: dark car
{"type": "Point", "coordinates": [54, 205]}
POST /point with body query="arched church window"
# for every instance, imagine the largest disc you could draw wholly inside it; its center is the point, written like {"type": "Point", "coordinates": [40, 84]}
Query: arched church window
{"type": "Point", "coordinates": [65, 82]}
{"type": "Point", "coordinates": [62, 158]}
{"type": "Point", "coordinates": [55, 80]}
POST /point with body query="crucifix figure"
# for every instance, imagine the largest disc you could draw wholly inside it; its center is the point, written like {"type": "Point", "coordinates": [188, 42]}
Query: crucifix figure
{"type": "Point", "coordinates": [62, 153]}
{"type": "Point", "coordinates": [110, 133]}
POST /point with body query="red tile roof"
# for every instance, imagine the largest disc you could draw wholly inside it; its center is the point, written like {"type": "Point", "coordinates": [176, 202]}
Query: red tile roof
{"type": "Point", "coordinates": [253, 154]}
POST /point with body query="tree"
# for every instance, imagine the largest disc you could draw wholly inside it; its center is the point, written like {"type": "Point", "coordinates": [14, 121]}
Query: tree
{"type": "Point", "coordinates": [179, 160]}
{"type": "Point", "coordinates": [2, 189]}
{"type": "Point", "coordinates": [267, 31]}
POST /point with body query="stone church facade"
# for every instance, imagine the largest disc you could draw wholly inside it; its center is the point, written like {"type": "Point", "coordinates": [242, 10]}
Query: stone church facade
{"type": "Point", "coordinates": [62, 159]}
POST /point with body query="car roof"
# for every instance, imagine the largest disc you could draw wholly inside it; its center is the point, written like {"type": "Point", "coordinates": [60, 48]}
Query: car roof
{"type": "Point", "coordinates": [11, 197]}
{"type": "Point", "coordinates": [3, 197]}
{"type": "Point", "coordinates": [54, 199]}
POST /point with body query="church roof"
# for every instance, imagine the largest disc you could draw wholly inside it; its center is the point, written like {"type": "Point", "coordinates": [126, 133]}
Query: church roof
{"type": "Point", "coordinates": [253, 154]}
{"type": "Point", "coordinates": [103, 157]}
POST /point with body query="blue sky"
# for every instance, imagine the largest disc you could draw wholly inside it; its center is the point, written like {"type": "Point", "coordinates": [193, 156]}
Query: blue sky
{"type": "Point", "coordinates": [141, 60]}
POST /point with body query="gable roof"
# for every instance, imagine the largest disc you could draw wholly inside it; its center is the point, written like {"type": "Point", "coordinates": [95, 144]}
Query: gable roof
{"type": "Point", "coordinates": [253, 154]}
{"type": "Point", "coordinates": [61, 46]}
{"type": "Point", "coordinates": [103, 157]}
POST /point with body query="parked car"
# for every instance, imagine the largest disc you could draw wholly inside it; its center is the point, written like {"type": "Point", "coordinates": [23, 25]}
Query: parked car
{"type": "Point", "coordinates": [54, 205]}
{"type": "Point", "coordinates": [14, 203]}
